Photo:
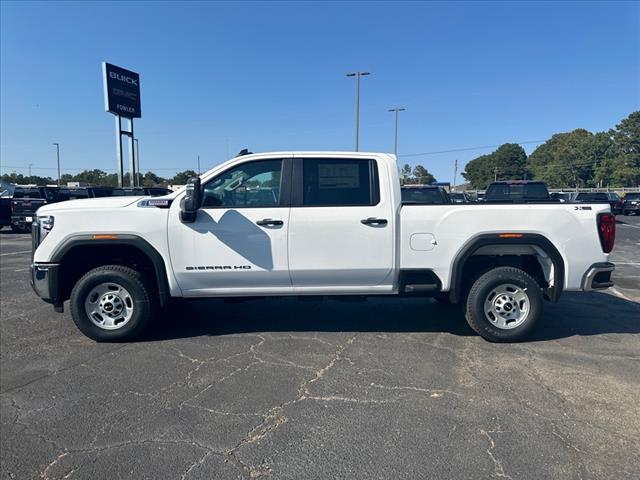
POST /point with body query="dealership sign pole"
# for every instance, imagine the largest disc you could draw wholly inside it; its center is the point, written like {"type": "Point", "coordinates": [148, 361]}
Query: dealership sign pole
{"type": "Point", "coordinates": [122, 98]}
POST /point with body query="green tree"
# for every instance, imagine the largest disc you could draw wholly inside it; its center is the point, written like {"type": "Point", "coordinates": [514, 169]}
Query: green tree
{"type": "Point", "coordinates": [570, 159]}
{"type": "Point", "coordinates": [405, 173]}
{"type": "Point", "coordinates": [182, 177]}
{"type": "Point", "coordinates": [150, 179]}
{"type": "Point", "coordinates": [422, 176]}
{"type": "Point", "coordinates": [626, 140]}
{"type": "Point", "coordinates": [508, 162]}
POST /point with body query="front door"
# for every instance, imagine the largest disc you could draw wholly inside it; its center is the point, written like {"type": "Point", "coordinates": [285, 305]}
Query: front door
{"type": "Point", "coordinates": [341, 227]}
{"type": "Point", "coordinates": [238, 241]}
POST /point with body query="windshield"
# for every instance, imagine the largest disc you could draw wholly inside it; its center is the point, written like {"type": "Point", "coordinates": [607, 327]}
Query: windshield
{"type": "Point", "coordinates": [632, 196]}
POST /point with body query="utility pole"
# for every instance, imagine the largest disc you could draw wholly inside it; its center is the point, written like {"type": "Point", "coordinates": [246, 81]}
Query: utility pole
{"type": "Point", "coordinates": [395, 128]}
{"type": "Point", "coordinates": [198, 164]}
{"type": "Point", "coordinates": [58, 155]}
{"type": "Point", "coordinates": [495, 174]}
{"type": "Point", "coordinates": [357, 75]}
{"type": "Point", "coordinates": [137, 169]}
{"type": "Point", "coordinates": [30, 169]}
{"type": "Point", "coordinates": [455, 173]}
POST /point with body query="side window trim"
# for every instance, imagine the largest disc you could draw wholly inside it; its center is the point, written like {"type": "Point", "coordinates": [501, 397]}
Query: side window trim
{"type": "Point", "coordinates": [285, 183]}
{"type": "Point", "coordinates": [297, 186]}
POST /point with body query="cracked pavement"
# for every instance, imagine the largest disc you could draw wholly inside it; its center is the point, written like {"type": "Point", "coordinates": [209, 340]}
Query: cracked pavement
{"type": "Point", "coordinates": [291, 389]}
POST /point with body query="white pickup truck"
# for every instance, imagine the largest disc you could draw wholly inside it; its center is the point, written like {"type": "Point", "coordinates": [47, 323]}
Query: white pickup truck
{"type": "Point", "coordinates": [313, 223]}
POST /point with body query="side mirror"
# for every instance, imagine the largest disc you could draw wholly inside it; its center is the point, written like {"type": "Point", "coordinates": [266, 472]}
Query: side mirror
{"type": "Point", "coordinates": [192, 201]}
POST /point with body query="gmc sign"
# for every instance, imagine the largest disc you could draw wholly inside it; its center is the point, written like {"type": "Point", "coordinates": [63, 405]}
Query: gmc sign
{"type": "Point", "coordinates": [121, 91]}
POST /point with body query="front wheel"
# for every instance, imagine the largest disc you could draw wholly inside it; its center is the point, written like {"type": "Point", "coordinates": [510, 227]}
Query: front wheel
{"type": "Point", "coordinates": [111, 304]}
{"type": "Point", "coordinates": [504, 305]}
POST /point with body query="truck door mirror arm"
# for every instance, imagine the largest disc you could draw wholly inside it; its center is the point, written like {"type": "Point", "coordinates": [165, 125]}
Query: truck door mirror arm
{"type": "Point", "coordinates": [192, 201]}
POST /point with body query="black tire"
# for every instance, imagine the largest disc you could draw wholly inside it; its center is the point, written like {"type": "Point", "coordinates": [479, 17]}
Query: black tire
{"type": "Point", "coordinates": [17, 229]}
{"type": "Point", "coordinates": [486, 285]}
{"type": "Point", "coordinates": [625, 213]}
{"type": "Point", "coordinates": [143, 302]}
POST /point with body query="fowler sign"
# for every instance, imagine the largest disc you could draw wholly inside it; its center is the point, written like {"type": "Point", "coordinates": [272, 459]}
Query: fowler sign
{"type": "Point", "coordinates": [121, 91]}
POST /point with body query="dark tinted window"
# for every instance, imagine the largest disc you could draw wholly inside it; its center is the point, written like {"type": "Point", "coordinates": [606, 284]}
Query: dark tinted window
{"type": "Point", "coordinates": [252, 184]}
{"type": "Point", "coordinates": [517, 191]}
{"type": "Point", "coordinates": [101, 192]}
{"type": "Point", "coordinates": [592, 197]}
{"type": "Point", "coordinates": [632, 196]}
{"type": "Point", "coordinates": [426, 196]}
{"type": "Point", "coordinates": [339, 182]}
{"type": "Point", "coordinates": [27, 193]}
{"type": "Point", "coordinates": [155, 192]}
{"type": "Point", "coordinates": [613, 196]}
{"type": "Point", "coordinates": [64, 194]}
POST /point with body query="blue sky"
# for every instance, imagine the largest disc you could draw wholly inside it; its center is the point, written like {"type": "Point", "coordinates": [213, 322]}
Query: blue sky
{"type": "Point", "coordinates": [217, 77]}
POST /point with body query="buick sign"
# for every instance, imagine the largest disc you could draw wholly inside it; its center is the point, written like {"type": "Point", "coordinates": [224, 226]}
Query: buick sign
{"type": "Point", "coordinates": [121, 91]}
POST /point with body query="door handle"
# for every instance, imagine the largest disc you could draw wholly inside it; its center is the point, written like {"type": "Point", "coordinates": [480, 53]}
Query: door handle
{"type": "Point", "coordinates": [267, 222]}
{"type": "Point", "coordinates": [374, 221]}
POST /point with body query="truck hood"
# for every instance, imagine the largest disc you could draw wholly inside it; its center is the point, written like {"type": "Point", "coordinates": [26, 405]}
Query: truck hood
{"type": "Point", "coordinates": [89, 204]}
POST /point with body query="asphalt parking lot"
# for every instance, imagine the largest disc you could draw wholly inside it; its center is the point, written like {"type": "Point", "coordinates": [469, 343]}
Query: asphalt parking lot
{"type": "Point", "coordinates": [293, 389]}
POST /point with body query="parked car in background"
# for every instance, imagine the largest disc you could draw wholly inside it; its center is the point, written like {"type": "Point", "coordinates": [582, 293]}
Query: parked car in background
{"type": "Point", "coordinates": [26, 200]}
{"type": "Point", "coordinates": [561, 197]}
{"type": "Point", "coordinates": [517, 191]}
{"type": "Point", "coordinates": [424, 195]}
{"type": "Point", "coordinates": [5, 211]}
{"type": "Point", "coordinates": [459, 197]}
{"type": "Point", "coordinates": [631, 204]}
{"type": "Point", "coordinates": [616, 202]}
{"type": "Point", "coordinates": [590, 197]}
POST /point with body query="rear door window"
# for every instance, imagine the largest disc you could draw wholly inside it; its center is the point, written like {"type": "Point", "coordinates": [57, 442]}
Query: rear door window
{"type": "Point", "coordinates": [339, 182]}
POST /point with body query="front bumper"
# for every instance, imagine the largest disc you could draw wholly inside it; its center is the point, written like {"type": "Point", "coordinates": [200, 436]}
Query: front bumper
{"type": "Point", "coordinates": [598, 276]}
{"type": "Point", "coordinates": [45, 282]}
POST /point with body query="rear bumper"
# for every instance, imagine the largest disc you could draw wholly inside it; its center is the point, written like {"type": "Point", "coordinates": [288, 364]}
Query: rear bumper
{"type": "Point", "coordinates": [598, 276]}
{"type": "Point", "coordinates": [24, 221]}
{"type": "Point", "coordinates": [630, 208]}
{"type": "Point", "coordinates": [45, 282]}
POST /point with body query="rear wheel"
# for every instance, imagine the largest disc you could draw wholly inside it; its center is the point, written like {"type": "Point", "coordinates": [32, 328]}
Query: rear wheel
{"type": "Point", "coordinates": [504, 305]}
{"type": "Point", "coordinates": [111, 304]}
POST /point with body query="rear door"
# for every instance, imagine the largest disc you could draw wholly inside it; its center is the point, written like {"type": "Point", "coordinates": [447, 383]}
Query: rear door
{"type": "Point", "coordinates": [341, 225]}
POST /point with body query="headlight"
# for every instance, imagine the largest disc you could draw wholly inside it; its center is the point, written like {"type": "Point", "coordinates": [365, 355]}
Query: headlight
{"type": "Point", "coordinates": [45, 225]}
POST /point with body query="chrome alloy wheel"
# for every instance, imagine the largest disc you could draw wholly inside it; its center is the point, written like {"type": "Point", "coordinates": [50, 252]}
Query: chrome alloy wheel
{"type": "Point", "coordinates": [109, 306]}
{"type": "Point", "coordinates": [507, 306]}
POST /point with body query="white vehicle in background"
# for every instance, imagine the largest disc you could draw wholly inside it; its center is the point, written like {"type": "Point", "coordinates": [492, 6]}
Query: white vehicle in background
{"type": "Point", "coordinates": [313, 223]}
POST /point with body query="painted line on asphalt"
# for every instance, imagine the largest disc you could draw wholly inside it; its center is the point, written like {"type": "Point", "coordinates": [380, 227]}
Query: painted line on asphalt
{"type": "Point", "coordinates": [628, 225]}
{"type": "Point", "coordinates": [618, 293]}
{"type": "Point", "coordinates": [14, 253]}
{"type": "Point", "coordinates": [22, 269]}
{"type": "Point", "coordinates": [628, 263]}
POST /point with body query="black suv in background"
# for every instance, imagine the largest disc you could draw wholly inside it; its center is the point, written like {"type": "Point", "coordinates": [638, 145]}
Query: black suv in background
{"type": "Point", "coordinates": [25, 202]}
{"type": "Point", "coordinates": [631, 204]}
{"type": "Point", "coordinates": [459, 197]}
{"type": "Point", "coordinates": [424, 195]}
{"type": "Point", "coordinates": [517, 191]}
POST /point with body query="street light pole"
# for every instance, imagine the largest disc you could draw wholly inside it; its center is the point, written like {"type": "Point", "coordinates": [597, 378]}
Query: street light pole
{"type": "Point", "coordinates": [198, 164]}
{"type": "Point", "coordinates": [357, 75]}
{"type": "Point", "coordinates": [137, 167]}
{"type": "Point", "coordinates": [58, 155]}
{"type": "Point", "coordinates": [395, 128]}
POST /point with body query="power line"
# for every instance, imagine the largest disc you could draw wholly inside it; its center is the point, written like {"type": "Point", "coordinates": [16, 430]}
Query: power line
{"type": "Point", "coordinates": [468, 148]}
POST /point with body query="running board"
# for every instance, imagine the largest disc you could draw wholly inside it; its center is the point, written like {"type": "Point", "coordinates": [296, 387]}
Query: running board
{"type": "Point", "coordinates": [421, 288]}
